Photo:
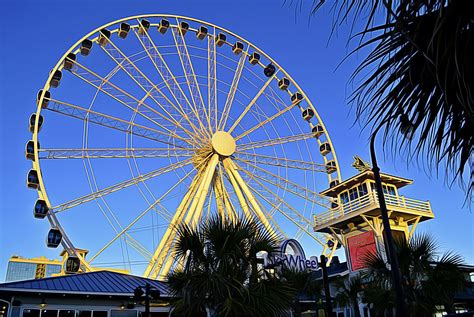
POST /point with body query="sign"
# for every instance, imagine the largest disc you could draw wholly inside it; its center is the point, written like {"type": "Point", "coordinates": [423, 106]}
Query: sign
{"type": "Point", "coordinates": [359, 246]}
{"type": "Point", "coordinates": [291, 255]}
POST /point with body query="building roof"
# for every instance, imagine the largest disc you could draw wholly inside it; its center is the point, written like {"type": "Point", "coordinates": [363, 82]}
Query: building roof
{"type": "Point", "coordinates": [92, 283]}
{"type": "Point", "coordinates": [356, 179]}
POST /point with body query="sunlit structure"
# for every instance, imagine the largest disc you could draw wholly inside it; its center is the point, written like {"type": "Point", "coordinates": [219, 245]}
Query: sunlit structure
{"type": "Point", "coordinates": [20, 268]}
{"type": "Point", "coordinates": [205, 122]}
{"type": "Point", "coordinates": [355, 219]}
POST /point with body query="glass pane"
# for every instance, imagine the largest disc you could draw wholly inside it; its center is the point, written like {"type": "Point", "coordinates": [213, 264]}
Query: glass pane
{"type": "Point", "coordinates": [353, 194]}
{"type": "Point", "coordinates": [49, 313]}
{"type": "Point", "coordinates": [123, 313]}
{"type": "Point", "coordinates": [67, 313]}
{"type": "Point", "coordinates": [391, 190]}
{"type": "Point", "coordinates": [84, 313]}
{"type": "Point", "coordinates": [362, 189]}
{"type": "Point", "coordinates": [344, 197]}
{"type": "Point", "coordinates": [99, 313]}
{"type": "Point", "coordinates": [31, 312]}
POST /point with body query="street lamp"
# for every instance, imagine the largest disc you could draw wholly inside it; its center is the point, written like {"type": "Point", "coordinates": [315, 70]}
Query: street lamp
{"type": "Point", "coordinates": [407, 129]}
{"type": "Point", "coordinates": [146, 293]}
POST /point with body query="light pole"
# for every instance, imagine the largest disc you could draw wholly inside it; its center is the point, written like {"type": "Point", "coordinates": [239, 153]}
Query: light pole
{"type": "Point", "coordinates": [392, 258]}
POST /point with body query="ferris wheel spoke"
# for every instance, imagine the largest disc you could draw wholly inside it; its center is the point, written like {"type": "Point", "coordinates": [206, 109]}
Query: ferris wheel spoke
{"type": "Point", "coordinates": [112, 122]}
{"type": "Point", "coordinates": [95, 153]}
{"type": "Point", "coordinates": [140, 216]}
{"type": "Point", "coordinates": [238, 192]}
{"type": "Point", "coordinates": [279, 161]}
{"type": "Point", "coordinates": [162, 251]}
{"type": "Point", "coordinates": [233, 88]}
{"type": "Point", "coordinates": [289, 186]}
{"type": "Point", "coordinates": [273, 142]}
{"type": "Point", "coordinates": [191, 78]}
{"type": "Point", "coordinates": [269, 119]}
{"type": "Point", "coordinates": [232, 168]}
{"type": "Point", "coordinates": [168, 78]}
{"type": "Point", "coordinates": [212, 79]}
{"type": "Point", "coordinates": [145, 84]}
{"type": "Point", "coordinates": [169, 81]}
{"type": "Point", "coordinates": [120, 186]}
{"type": "Point", "coordinates": [284, 208]}
{"type": "Point", "coordinates": [118, 94]}
{"type": "Point", "coordinates": [249, 106]}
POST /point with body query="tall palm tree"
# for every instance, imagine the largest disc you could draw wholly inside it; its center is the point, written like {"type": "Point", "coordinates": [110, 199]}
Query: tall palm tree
{"type": "Point", "coordinates": [348, 291]}
{"type": "Point", "coordinates": [221, 273]}
{"type": "Point", "coordinates": [417, 81]}
{"type": "Point", "coordinates": [428, 281]}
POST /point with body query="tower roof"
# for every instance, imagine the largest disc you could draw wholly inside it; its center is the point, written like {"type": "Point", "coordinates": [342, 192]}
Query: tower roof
{"type": "Point", "coordinates": [359, 178]}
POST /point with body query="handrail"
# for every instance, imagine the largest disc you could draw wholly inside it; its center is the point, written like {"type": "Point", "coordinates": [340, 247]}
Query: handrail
{"type": "Point", "coordinates": [368, 200]}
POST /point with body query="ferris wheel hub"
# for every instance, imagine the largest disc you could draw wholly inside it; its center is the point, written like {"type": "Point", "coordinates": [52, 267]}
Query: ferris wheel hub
{"type": "Point", "coordinates": [223, 143]}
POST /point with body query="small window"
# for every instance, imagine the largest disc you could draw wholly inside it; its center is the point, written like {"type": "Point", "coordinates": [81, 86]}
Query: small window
{"type": "Point", "coordinates": [67, 313]}
{"type": "Point", "coordinates": [31, 312]}
{"type": "Point", "coordinates": [99, 313]}
{"type": "Point", "coordinates": [84, 313]}
{"type": "Point", "coordinates": [123, 313]}
{"type": "Point", "coordinates": [344, 197]}
{"type": "Point", "coordinates": [49, 313]}
{"type": "Point", "coordinates": [362, 189]}
{"type": "Point", "coordinates": [353, 195]}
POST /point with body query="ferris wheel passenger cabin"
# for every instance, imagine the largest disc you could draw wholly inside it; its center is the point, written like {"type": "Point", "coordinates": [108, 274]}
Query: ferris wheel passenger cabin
{"type": "Point", "coordinates": [183, 28]}
{"type": "Point", "coordinates": [317, 130]}
{"type": "Point", "coordinates": [104, 36]}
{"type": "Point", "coordinates": [47, 96]}
{"type": "Point", "coordinates": [308, 114]}
{"type": "Point", "coordinates": [54, 238]}
{"type": "Point", "coordinates": [283, 83]}
{"type": "Point", "coordinates": [238, 48]}
{"type": "Point", "coordinates": [86, 47]}
{"type": "Point", "coordinates": [220, 39]}
{"type": "Point", "coordinates": [32, 121]}
{"type": "Point", "coordinates": [254, 58]}
{"type": "Point", "coordinates": [32, 180]}
{"type": "Point", "coordinates": [163, 26]}
{"type": "Point", "coordinates": [56, 79]}
{"type": "Point", "coordinates": [124, 29]}
{"type": "Point", "coordinates": [202, 32]}
{"type": "Point", "coordinates": [69, 61]}
{"type": "Point", "coordinates": [41, 209]}
{"type": "Point", "coordinates": [144, 26]}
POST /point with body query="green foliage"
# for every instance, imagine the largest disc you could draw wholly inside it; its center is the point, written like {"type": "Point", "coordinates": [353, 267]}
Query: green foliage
{"type": "Point", "coordinates": [222, 274]}
{"type": "Point", "coordinates": [428, 282]}
{"type": "Point", "coordinates": [348, 290]}
{"type": "Point", "coordinates": [417, 81]}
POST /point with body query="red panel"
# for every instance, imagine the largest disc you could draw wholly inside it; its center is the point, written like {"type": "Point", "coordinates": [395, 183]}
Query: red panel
{"type": "Point", "coordinates": [359, 246]}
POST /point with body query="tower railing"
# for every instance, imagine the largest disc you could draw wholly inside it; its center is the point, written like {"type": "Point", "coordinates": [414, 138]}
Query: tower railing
{"type": "Point", "coordinates": [371, 199]}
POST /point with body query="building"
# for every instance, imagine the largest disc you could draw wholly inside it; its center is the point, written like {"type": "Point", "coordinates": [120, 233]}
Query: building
{"type": "Point", "coordinates": [355, 221]}
{"type": "Point", "coordinates": [20, 268]}
{"type": "Point", "coordinates": [94, 294]}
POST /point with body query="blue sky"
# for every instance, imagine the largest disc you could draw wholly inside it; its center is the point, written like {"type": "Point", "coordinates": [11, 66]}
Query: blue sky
{"type": "Point", "coordinates": [34, 36]}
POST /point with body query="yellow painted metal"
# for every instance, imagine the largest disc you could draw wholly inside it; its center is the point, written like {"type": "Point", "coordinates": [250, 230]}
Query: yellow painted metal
{"type": "Point", "coordinates": [232, 168]}
{"type": "Point", "coordinates": [249, 106]}
{"type": "Point", "coordinates": [200, 201]}
{"type": "Point", "coordinates": [171, 228]}
{"type": "Point", "coordinates": [238, 191]}
{"type": "Point", "coordinates": [223, 143]}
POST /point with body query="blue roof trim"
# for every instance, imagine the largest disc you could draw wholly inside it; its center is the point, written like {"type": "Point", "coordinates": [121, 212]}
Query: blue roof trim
{"type": "Point", "coordinates": [105, 282]}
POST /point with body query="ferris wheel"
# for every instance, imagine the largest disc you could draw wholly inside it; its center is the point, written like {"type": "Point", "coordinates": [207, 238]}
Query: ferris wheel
{"type": "Point", "coordinates": [152, 121]}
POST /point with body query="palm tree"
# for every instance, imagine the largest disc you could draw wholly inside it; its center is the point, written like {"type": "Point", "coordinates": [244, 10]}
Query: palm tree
{"type": "Point", "coordinates": [417, 81]}
{"type": "Point", "coordinates": [305, 285]}
{"type": "Point", "coordinates": [221, 273]}
{"type": "Point", "coordinates": [428, 281]}
{"type": "Point", "coordinates": [348, 291]}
